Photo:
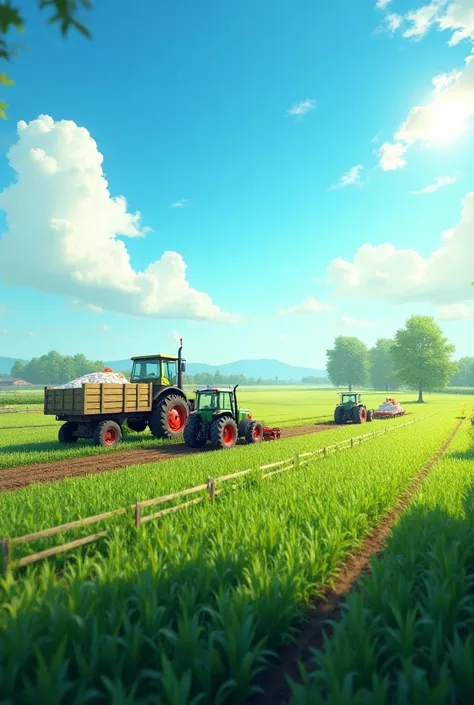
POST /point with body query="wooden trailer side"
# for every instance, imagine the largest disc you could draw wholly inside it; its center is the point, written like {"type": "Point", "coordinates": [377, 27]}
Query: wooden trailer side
{"type": "Point", "coordinates": [99, 399]}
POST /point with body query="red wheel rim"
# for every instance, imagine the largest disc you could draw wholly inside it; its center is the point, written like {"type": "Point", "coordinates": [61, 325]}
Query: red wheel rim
{"type": "Point", "coordinates": [110, 436]}
{"type": "Point", "coordinates": [363, 414]}
{"type": "Point", "coordinates": [256, 433]}
{"type": "Point", "coordinates": [228, 434]}
{"type": "Point", "coordinates": [176, 418]}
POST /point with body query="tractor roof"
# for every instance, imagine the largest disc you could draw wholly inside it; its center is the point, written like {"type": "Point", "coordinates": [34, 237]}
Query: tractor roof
{"type": "Point", "coordinates": [213, 389]}
{"type": "Point", "coordinates": [154, 357]}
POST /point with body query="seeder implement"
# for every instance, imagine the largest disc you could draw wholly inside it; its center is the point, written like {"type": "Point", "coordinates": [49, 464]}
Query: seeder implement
{"type": "Point", "coordinates": [271, 434]}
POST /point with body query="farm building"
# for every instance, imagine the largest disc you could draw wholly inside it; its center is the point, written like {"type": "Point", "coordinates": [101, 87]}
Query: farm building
{"type": "Point", "coordinates": [13, 383]}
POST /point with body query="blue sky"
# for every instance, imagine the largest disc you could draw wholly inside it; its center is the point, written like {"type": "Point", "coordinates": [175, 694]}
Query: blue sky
{"type": "Point", "coordinates": [193, 101]}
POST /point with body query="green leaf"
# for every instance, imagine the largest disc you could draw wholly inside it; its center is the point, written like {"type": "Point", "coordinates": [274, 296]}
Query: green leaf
{"type": "Point", "coordinates": [10, 17]}
{"type": "Point", "coordinates": [6, 80]}
{"type": "Point", "coordinates": [3, 107]}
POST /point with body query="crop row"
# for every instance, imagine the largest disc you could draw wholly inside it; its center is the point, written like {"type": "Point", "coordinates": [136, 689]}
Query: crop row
{"type": "Point", "coordinates": [186, 611]}
{"type": "Point", "coordinates": [35, 440]}
{"type": "Point", "coordinates": [407, 631]}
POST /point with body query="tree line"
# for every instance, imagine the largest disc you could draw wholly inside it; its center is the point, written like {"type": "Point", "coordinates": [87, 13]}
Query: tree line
{"type": "Point", "coordinates": [418, 357]}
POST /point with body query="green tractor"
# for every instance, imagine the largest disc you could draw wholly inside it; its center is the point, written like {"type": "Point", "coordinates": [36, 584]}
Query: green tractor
{"type": "Point", "coordinates": [218, 419]}
{"type": "Point", "coordinates": [350, 408]}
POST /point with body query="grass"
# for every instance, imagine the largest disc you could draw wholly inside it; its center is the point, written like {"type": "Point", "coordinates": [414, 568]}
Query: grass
{"type": "Point", "coordinates": [184, 611]}
{"type": "Point", "coordinates": [34, 440]}
{"type": "Point", "coordinates": [407, 631]}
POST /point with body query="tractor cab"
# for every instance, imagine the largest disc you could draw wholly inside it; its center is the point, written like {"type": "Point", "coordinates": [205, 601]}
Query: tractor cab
{"type": "Point", "coordinates": [219, 400]}
{"type": "Point", "coordinates": [161, 370]}
{"type": "Point", "coordinates": [350, 398]}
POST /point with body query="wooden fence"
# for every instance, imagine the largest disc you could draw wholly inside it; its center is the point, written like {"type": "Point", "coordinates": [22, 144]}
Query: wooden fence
{"type": "Point", "coordinates": [210, 489]}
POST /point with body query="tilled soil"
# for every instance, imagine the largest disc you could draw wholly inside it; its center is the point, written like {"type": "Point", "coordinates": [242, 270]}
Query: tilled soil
{"type": "Point", "coordinates": [24, 475]}
{"type": "Point", "coordinates": [325, 612]}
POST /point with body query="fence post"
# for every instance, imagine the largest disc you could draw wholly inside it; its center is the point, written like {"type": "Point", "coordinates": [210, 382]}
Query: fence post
{"type": "Point", "coordinates": [211, 489]}
{"type": "Point", "coordinates": [352, 442]}
{"type": "Point", "coordinates": [297, 461]}
{"type": "Point", "coordinates": [5, 552]}
{"type": "Point", "coordinates": [325, 451]}
{"type": "Point", "coordinates": [138, 515]}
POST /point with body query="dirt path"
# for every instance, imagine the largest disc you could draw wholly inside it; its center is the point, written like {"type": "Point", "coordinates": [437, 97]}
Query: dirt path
{"type": "Point", "coordinates": [21, 476]}
{"type": "Point", "coordinates": [273, 680]}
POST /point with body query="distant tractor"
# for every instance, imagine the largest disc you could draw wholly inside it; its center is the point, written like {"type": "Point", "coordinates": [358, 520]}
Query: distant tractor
{"type": "Point", "coordinates": [351, 408]}
{"type": "Point", "coordinates": [218, 419]}
{"type": "Point", "coordinates": [154, 397]}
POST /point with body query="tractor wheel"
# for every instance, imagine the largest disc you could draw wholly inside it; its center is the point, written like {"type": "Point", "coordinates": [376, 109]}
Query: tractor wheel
{"type": "Point", "coordinates": [254, 432]}
{"type": "Point", "coordinates": [168, 418]}
{"type": "Point", "coordinates": [370, 415]}
{"type": "Point", "coordinates": [338, 415]}
{"type": "Point", "coordinates": [137, 425]}
{"type": "Point", "coordinates": [359, 414]}
{"type": "Point", "coordinates": [191, 432]}
{"type": "Point", "coordinates": [66, 431]}
{"type": "Point", "coordinates": [108, 434]}
{"type": "Point", "coordinates": [224, 433]}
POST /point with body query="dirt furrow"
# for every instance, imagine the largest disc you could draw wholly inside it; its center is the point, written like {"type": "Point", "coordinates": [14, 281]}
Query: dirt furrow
{"type": "Point", "coordinates": [24, 475]}
{"type": "Point", "coordinates": [273, 680]}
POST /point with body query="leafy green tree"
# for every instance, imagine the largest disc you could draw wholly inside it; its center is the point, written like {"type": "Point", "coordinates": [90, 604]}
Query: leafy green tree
{"type": "Point", "coordinates": [422, 355]}
{"type": "Point", "coordinates": [464, 376]}
{"type": "Point", "coordinates": [64, 13]}
{"type": "Point", "coordinates": [18, 370]}
{"type": "Point", "coordinates": [382, 374]}
{"type": "Point", "coordinates": [54, 368]}
{"type": "Point", "coordinates": [348, 362]}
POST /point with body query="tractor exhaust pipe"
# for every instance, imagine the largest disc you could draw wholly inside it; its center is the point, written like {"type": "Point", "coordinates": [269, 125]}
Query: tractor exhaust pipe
{"type": "Point", "coordinates": [235, 404]}
{"type": "Point", "coordinates": [180, 364]}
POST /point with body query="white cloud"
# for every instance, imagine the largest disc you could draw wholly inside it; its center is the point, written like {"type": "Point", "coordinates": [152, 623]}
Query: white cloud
{"type": "Point", "coordinates": [302, 107]}
{"type": "Point", "coordinates": [454, 312]}
{"type": "Point", "coordinates": [307, 307]}
{"type": "Point", "coordinates": [438, 183]}
{"type": "Point", "coordinates": [391, 156]}
{"type": "Point", "coordinates": [423, 18]}
{"type": "Point", "coordinates": [105, 328]}
{"type": "Point", "coordinates": [459, 18]}
{"type": "Point", "coordinates": [349, 322]}
{"type": "Point", "coordinates": [393, 21]}
{"type": "Point", "coordinates": [70, 231]}
{"type": "Point", "coordinates": [382, 4]}
{"type": "Point", "coordinates": [350, 178]}
{"type": "Point", "coordinates": [180, 203]}
{"type": "Point", "coordinates": [387, 273]}
{"type": "Point", "coordinates": [175, 337]}
{"type": "Point", "coordinates": [86, 307]}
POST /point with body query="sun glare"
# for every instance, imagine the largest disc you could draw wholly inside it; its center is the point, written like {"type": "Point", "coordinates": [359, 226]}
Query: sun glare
{"type": "Point", "coordinates": [448, 121]}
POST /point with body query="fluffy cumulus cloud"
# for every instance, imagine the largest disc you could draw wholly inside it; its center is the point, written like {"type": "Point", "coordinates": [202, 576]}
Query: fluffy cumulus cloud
{"type": "Point", "coordinates": [449, 110]}
{"type": "Point", "coordinates": [308, 307]}
{"type": "Point", "coordinates": [63, 229]}
{"type": "Point", "coordinates": [387, 273]}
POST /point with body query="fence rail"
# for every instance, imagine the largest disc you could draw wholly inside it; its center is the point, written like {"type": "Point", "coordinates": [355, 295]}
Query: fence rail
{"type": "Point", "coordinates": [210, 488]}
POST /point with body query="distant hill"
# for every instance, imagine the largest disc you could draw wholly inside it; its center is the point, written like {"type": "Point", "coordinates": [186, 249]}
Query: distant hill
{"type": "Point", "coordinates": [266, 369]}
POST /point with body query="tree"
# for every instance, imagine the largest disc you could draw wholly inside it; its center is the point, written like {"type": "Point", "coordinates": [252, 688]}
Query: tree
{"type": "Point", "coordinates": [18, 369]}
{"type": "Point", "coordinates": [422, 355]}
{"type": "Point", "coordinates": [464, 376]}
{"type": "Point", "coordinates": [54, 368]}
{"type": "Point", "coordinates": [348, 362]}
{"type": "Point", "coordinates": [64, 13]}
{"type": "Point", "coordinates": [382, 374]}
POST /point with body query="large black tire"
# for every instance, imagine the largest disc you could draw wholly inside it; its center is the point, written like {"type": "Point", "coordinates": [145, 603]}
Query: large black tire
{"type": "Point", "coordinates": [191, 432]}
{"type": "Point", "coordinates": [370, 415]}
{"type": "Point", "coordinates": [137, 425]}
{"type": "Point", "coordinates": [338, 415]}
{"type": "Point", "coordinates": [107, 434]}
{"type": "Point", "coordinates": [66, 431]}
{"type": "Point", "coordinates": [224, 433]}
{"type": "Point", "coordinates": [169, 417]}
{"type": "Point", "coordinates": [359, 414]}
{"type": "Point", "coordinates": [254, 432]}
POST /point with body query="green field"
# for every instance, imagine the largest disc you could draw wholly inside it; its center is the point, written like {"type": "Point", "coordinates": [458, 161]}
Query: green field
{"type": "Point", "coordinates": [190, 604]}
{"type": "Point", "coordinates": [32, 438]}
{"type": "Point", "coordinates": [407, 632]}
